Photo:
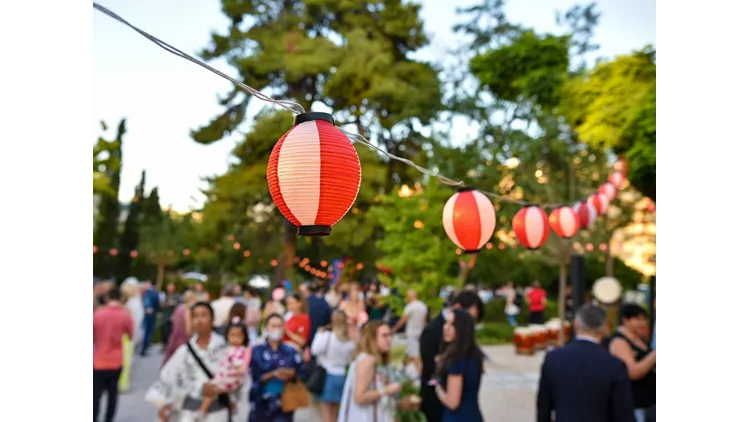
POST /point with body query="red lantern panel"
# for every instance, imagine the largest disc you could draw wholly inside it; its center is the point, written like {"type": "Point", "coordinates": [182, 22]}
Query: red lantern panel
{"type": "Point", "coordinates": [600, 202]}
{"type": "Point", "coordinates": [616, 179]}
{"type": "Point", "coordinates": [586, 214]}
{"type": "Point", "coordinates": [564, 221]}
{"type": "Point", "coordinates": [531, 227]}
{"type": "Point", "coordinates": [609, 190]}
{"type": "Point", "coordinates": [314, 174]}
{"type": "Point", "coordinates": [469, 219]}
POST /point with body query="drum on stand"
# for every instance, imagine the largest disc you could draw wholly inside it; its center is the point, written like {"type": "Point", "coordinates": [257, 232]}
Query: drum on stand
{"type": "Point", "coordinates": [523, 339]}
{"type": "Point", "coordinates": [553, 331]}
{"type": "Point", "coordinates": [540, 336]}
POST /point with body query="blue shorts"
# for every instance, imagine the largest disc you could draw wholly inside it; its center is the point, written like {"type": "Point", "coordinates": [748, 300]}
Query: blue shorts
{"type": "Point", "coordinates": [333, 389]}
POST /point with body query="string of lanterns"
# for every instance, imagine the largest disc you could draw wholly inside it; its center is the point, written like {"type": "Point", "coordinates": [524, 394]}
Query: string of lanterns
{"type": "Point", "coordinates": [314, 176]}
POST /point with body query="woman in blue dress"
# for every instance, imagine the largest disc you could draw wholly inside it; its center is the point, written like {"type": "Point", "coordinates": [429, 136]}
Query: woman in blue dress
{"type": "Point", "coordinates": [273, 364]}
{"type": "Point", "coordinates": [459, 369]}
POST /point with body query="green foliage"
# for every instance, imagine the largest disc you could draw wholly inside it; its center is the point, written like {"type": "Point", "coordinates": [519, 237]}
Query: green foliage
{"type": "Point", "coordinates": [530, 68]}
{"type": "Point", "coordinates": [129, 235]}
{"type": "Point", "coordinates": [492, 333]}
{"type": "Point", "coordinates": [420, 258]}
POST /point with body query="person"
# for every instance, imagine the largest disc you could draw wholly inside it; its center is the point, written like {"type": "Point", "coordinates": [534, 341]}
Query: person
{"type": "Point", "coordinates": [429, 345]}
{"type": "Point", "coordinates": [581, 382]}
{"type": "Point", "coordinates": [459, 369]}
{"type": "Point", "coordinates": [368, 390]}
{"type": "Point", "coordinates": [628, 344]}
{"type": "Point", "coordinates": [253, 315]}
{"type": "Point", "coordinates": [181, 325]}
{"type": "Point", "coordinates": [112, 322]}
{"type": "Point", "coordinates": [333, 351]}
{"type": "Point", "coordinates": [201, 295]}
{"type": "Point", "coordinates": [376, 309]}
{"type": "Point", "coordinates": [354, 308]}
{"type": "Point", "coordinates": [130, 295]}
{"type": "Point", "coordinates": [335, 294]}
{"type": "Point", "coordinates": [272, 365]}
{"type": "Point", "coordinates": [569, 306]}
{"type": "Point", "coordinates": [415, 318]}
{"type": "Point", "coordinates": [223, 304]}
{"type": "Point", "coordinates": [234, 366]}
{"type": "Point", "coordinates": [275, 305]}
{"type": "Point", "coordinates": [238, 310]}
{"type": "Point", "coordinates": [101, 291]}
{"type": "Point", "coordinates": [537, 300]}
{"type": "Point", "coordinates": [171, 300]}
{"type": "Point", "coordinates": [297, 327]}
{"type": "Point", "coordinates": [151, 306]}
{"type": "Point", "coordinates": [512, 304]}
{"type": "Point", "coordinates": [318, 310]}
{"type": "Point", "coordinates": [183, 383]}
{"type": "Point", "coordinates": [304, 290]}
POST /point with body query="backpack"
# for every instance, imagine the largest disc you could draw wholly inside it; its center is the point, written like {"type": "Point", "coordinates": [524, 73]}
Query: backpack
{"type": "Point", "coordinates": [518, 300]}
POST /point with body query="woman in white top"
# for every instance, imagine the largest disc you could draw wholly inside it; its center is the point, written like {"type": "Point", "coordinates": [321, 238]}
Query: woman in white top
{"type": "Point", "coordinates": [333, 350]}
{"type": "Point", "coordinates": [131, 298]}
{"type": "Point", "coordinates": [368, 393]}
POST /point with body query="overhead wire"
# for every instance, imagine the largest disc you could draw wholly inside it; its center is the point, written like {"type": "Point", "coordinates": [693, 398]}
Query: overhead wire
{"type": "Point", "coordinates": [296, 108]}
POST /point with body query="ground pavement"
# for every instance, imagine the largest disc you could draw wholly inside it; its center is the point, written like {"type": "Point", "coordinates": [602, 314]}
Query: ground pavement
{"type": "Point", "coordinates": [508, 390]}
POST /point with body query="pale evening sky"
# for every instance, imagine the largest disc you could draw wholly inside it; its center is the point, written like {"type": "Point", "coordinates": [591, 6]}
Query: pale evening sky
{"type": "Point", "coordinates": [163, 97]}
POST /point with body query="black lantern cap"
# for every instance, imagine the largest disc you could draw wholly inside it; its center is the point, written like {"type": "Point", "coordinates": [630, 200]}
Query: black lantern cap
{"type": "Point", "coordinates": [315, 231]}
{"type": "Point", "coordinates": [466, 189]}
{"type": "Point", "coordinates": [312, 115]}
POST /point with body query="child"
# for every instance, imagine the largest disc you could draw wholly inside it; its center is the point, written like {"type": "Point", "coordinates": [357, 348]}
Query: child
{"type": "Point", "coordinates": [236, 361]}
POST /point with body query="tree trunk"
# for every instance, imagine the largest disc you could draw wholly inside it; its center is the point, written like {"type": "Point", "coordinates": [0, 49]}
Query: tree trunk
{"type": "Point", "coordinates": [609, 268]}
{"type": "Point", "coordinates": [561, 303]}
{"type": "Point", "coordinates": [464, 269]}
{"type": "Point", "coordinates": [286, 259]}
{"type": "Point", "coordinates": [160, 269]}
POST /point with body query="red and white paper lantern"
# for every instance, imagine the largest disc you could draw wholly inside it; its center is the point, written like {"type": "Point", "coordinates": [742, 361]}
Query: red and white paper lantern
{"type": "Point", "coordinates": [586, 214]}
{"type": "Point", "coordinates": [600, 202]}
{"type": "Point", "coordinates": [564, 221]}
{"type": "Point", "coordinates": [469, 219]}
{"type": "Point", "coordinates": [609, 190]}
{"type": "Point", "coordinates": [531, 227]}
{"type": "Point", "coordinates": [616, 179]}
{"type": "Point", "coordinates": [314, 174]}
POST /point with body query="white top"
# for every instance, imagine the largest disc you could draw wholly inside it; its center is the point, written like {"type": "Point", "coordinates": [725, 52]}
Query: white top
{"type": "Point", "coordinates": [221, 307]}
{"type": "Point", "coordinates": [333, 354]}
{"type": "Point", "coordinates": [510, 307]}
{"type": "Point", "coordinates": [135, 306]}
{"type": "Point", "coordinates": [416, 313]}
{"type": "Point", "coordinates": [349, 411]}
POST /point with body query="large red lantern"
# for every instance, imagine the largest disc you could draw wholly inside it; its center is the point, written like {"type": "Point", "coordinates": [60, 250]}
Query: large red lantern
{"type": "Point", "coordinates": [564, 221]}
{"type": "Point", "coordinates": [586, 214]}
{"type": "Point", "coordinates": [469, 219]}
{"type": "Point", "coordinates": [531, 227]}
{"type": "Point", "coordinates": [314, 174]}
{"type": "Point", "coordinates": [616, 179]}
{"type": "Point", "coordinates": [609, 190]}
{"type": "Point", "coordinates": [600, 202]}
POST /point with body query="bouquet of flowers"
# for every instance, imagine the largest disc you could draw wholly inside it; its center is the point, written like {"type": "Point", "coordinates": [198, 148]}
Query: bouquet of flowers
{"type": "Point", "coordinates": [409, 400]}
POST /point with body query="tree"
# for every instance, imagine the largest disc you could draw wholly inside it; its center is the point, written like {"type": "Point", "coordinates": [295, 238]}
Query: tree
{"type": "Point", "coordinates": [614, 106]}
{"type": "Point", "coordinates": [416, 248]}
{"type": "Point", "coordinates": [161, 242]}
{"type": "Point", "coordinates": [129, 236]}
{"type": "Point", "coordinates": [108, 161]}
{"type": "Point", "coordinates": [353, 56]}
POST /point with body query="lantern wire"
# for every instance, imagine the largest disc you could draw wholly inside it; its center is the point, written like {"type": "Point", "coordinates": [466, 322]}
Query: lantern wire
{"type": "Point", "coordinates": [297, 109]}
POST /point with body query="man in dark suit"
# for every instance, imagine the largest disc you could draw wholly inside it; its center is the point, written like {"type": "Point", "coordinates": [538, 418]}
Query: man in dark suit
{"type": "Point", "coordinates": [582, 382]}
{"type": "Point", "coordinates": [317, 309]}
{"type": "Point", "coordinates": [429, 346]}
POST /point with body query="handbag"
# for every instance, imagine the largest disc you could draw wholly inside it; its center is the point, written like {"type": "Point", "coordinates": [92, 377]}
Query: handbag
{"type": "Point", "coordinates": [294, 396]}
{"type": "Point", "coordinates": [317, 380]}
{"type": "Point", "coordinates": [222, 398]}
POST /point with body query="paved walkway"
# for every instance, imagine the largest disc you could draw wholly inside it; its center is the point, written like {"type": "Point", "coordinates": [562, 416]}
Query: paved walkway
{"type": "Point", "coordinates": [508, 391]}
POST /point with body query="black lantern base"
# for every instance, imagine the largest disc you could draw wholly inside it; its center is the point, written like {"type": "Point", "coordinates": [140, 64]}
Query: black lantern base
{"type": "Point", "coordinates": [312, 116]}
{"type": "Point", "coordinates": [314, 230]}
{"type": "Point", "coordinates": [473, 251]}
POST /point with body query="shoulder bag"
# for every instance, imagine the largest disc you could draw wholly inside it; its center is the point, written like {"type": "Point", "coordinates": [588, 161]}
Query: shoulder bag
{"type": "Point", "coordinates": [222, 398]}
{"type": "Point", "coordinates": [317, 380]}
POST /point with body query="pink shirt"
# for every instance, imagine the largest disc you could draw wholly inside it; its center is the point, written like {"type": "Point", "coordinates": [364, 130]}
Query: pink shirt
{"type": "Point", "coordinates": [111, 322]}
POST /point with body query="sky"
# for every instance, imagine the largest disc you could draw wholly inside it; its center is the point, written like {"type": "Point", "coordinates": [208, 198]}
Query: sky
{"type": "Point", "coordinates": [163, 96]}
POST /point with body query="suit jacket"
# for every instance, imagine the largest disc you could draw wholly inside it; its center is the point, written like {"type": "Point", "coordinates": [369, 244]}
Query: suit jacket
{"type": "Point", "coordinates": [429, 345]}
{"type": "Point", "coordinates": [582, 382]}
{"type": "Point", "coordinates": [319, 312]}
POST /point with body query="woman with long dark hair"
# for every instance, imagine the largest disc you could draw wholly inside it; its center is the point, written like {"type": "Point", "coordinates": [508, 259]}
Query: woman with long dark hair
{"type": "Point", "coordinates": [460, 365]}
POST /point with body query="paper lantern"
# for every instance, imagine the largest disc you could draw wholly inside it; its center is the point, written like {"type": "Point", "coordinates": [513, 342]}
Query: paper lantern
{"type": "Point", "coordinates": [600, 202]}
{"type": "Point", "coordinates": [609, 190]}
{"type": "Point", "coordinates": [531, 227]}
{"type": "Point", "coordinates": [314, 174]}
{"type": "Point", "coordinates": [469, 219]}
{"type": "Point", "coordinates": [586, 214]}
{"type": "Point", "coordinates": [616, 179]}
{"type": "Point", "coordinates": [564, 221]}
{"type": "Point", "coordinates": [621, 165]}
